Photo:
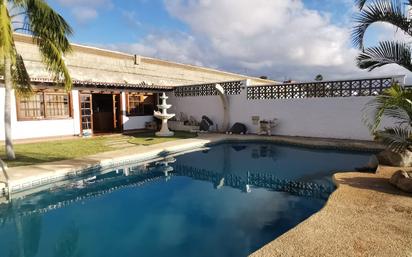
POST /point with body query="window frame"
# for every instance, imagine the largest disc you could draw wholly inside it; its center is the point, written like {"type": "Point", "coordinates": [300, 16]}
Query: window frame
{"type": "Point", "coordinates": [44, 106]}
{"type": "Point", "coordinates": [128, 114]}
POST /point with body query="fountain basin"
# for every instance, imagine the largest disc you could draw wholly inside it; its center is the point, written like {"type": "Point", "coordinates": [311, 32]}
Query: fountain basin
{"type": "Point", "coordinates": [165, 106]}
{"type": "Point", "coordinates": [165, 133]}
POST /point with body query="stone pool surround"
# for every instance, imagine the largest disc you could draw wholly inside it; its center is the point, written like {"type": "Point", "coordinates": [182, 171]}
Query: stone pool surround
{"type": "Point", "coordinates": [365, 216]}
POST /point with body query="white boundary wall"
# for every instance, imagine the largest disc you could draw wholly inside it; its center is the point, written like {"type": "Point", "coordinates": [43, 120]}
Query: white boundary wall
{"type": "Point", "coordinates": [198, 106]}
{"type": "Point", "coordinates": [337, 117]}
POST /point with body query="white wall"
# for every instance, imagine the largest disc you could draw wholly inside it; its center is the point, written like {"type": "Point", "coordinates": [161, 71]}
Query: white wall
{"type": "Point", "coordinates": [198, 106]}
{"type": "Point", "coordinates": [41, 128]}
{"type": "Point", "coordinates": [338, 117]}
{"type": "Point", "coordinates": [133, 122]}
{"type": "Point", "coordinates": [55, 128]}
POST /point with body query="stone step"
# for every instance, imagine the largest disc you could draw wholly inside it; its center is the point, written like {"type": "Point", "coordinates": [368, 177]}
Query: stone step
{"type": "Point", "coordinates": [124, 145]}
{"type": "Point", "coordinates": [116, 142]}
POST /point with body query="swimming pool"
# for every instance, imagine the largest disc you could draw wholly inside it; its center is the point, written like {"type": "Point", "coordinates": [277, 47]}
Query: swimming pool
{"type": "Point", "coordinates": [228, 200]}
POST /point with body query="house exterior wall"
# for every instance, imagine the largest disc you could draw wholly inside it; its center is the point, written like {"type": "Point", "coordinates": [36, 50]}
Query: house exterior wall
{"type": "Point", "coordinates": [63, 127]}
{"type": "Point", "coordinates": [337, 117]}
{"type": "Point", "coordinates": [41, 128]}
{"type": "Point", "coordinates": [133, 122]}
{"type": "Point", "coordinates": [136, 122]}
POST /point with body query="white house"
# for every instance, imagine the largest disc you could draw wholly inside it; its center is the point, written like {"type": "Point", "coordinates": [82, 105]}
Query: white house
{"type": "Point", "coordinates": [112, 91]}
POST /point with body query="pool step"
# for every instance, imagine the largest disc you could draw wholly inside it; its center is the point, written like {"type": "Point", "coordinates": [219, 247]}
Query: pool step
{"type": "Point", "coordinates": [3, 189]}
{"type": "Point", "coordinates": [4, 200]}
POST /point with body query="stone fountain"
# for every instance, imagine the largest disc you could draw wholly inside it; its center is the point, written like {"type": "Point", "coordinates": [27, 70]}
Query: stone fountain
{"type": "Point", "coordinates": [164, 116]}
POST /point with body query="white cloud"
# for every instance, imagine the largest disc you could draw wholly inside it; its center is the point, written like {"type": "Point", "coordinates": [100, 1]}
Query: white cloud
{"type": "Point", "coordinates": [84, 11]}
{"type": "Point", "coordinates": [84, 14]}
{"type": "Point", "coordinates": [131, 19]}
{"type": "Point", "coordinates": [178, 47]}
{"type": "Point", "coordinates": [280, 39]}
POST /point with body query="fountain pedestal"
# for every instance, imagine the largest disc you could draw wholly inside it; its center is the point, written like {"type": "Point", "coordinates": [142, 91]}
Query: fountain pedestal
{"type": "Point", "coordinates": [164, 116]}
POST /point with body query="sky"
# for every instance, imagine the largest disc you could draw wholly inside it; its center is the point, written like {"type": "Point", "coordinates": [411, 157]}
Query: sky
{"type": "Point", "coordinates": [280, 39]}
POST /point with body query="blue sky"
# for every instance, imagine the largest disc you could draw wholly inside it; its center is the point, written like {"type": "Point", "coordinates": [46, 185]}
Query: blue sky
{"type": "Point", "coordinates": [130, 20]}
{"type": "Point", "coordinates": [282, 39]}
{"type": "Point", "coordinates": [117, 21]}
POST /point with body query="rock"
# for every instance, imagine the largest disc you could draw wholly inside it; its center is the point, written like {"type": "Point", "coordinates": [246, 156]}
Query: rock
{"type": "Point", "coordinates": [204, 126]}
{"type": "Point", "coordinates": [391, 158]}
{"type": "Point", "coordinates": [372, 165]}
{"type": "Point", "coordinates": [402, 180]}
{"type": "Point", "coordinates": [193, 121]}
{"type": "Point", "coordinates": [238, 128]}
{"type": "Point", "coordinates": [373, 162]}
{"type": "Point", "coordinates": [183, 117]}
{"type": "Point", "coordinates": [204, 117]}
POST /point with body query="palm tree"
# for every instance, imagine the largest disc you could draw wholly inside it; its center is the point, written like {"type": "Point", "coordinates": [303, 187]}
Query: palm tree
{"type": "Point", "coordinates": [395, 104]}
{"type": "Point", "coordinates": [49, 31]}
{"type": "Point", "coordinates": [394, 12]}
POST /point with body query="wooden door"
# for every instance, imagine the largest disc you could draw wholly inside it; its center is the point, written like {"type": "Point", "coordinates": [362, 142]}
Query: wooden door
{"type": "Point", "coordinates": [86, 114]}
{"type": "Point", "coordinates": [117, 116]}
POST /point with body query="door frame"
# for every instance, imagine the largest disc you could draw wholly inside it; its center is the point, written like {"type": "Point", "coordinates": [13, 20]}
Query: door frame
{"type": "Point", "coordinates": [119, 115]}
{"type": "Point", "coordinates": [81, 113]}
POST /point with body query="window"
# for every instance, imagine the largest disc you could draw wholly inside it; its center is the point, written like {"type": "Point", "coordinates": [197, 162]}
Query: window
{"type": "Point", "coordinates": [57, 105]}
{"type": "Point", "coordinates": [31, 107]}
{"type": "Point", "coordinates": [140, 104]}
{"type": "Point", "coordinates": [44, 105]}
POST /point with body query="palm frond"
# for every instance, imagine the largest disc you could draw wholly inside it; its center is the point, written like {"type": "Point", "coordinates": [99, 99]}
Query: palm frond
{"type": "Point", "coordinates": [50, 32]}
{"type": "Point", "coordinates": [397, 139]}
{"type": "Point", "coordinates": [6, 32]}
{"type": "Point", "coordinates": [392, 12]}
{"type": "Point", "coordinates": [45, 23]}
{"type": "Point", "coordinates": [386, 52]}
{"type": "Point", "coordinates": [21, 78]}
{"type": "Point", "coordinates": [54, 61]}
{"type": "Point", "coordinates": [360, 3]}
{"type": "Point", "coordinates": [2, 66]}
{"type": "Point", "coordinates": [394, 103]}
{"type": "Point", "coordinates": [398, 115]}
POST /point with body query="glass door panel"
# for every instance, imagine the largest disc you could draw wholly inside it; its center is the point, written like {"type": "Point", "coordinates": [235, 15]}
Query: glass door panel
{"type": "Point", "coordinates": [86, 114]}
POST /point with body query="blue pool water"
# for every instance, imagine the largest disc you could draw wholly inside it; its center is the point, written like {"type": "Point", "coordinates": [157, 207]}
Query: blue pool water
{"type": "Point", "coordinates": [229, 200]}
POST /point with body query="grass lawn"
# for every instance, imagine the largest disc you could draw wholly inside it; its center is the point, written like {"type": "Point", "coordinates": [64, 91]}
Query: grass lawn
{"type": "Point", "coordinates": [40, 152]}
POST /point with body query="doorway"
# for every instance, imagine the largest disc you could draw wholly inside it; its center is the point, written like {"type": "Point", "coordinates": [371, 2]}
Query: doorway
{"type": "Point", "coordinates": [101, 113]}
{"type": "Point", "coordinates": [106, 113]}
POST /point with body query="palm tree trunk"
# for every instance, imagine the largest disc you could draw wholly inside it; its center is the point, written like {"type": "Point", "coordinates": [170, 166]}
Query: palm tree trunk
{"type": "Point", "coordinates": [7, 109]}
